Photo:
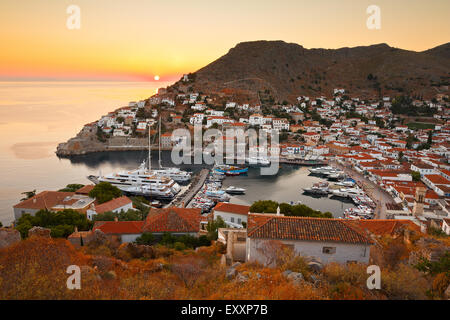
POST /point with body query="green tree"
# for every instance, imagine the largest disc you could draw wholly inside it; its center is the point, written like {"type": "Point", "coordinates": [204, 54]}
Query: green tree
{"type": "Point", "coordinates": [415, 175]}
{"type": "Point", "coordinates": [28, 194]}
{"type": "Point", "coordinates": [72, 187]}
{"type": "Point", "coordinates": [213, 226]}
{"type": "Point", "coordinates": [61, 223]}
{"type": "Point", "coordinates": [105, 192]}
{"type": "Point", "coordinates": [146, 238]}
{"type": "Point", "coordinates": [433, 268]}
{"type": "Point", "coordinates": [300, 210]}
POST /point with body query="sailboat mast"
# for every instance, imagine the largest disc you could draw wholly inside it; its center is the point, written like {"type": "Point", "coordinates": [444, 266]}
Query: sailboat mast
{"type": "Point", "coordinates": [149, 149]}
{"type": "Point", "coordinates": [159, 160]}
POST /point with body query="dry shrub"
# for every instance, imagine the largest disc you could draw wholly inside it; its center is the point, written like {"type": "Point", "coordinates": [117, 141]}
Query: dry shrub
{"type": "Point", "coordinates": [35, 268]}
{"type": "Point", "coordinates": [156, 286]}
{"type": "Point", "coordinates": [266, 284]}
{"type": "Point", "coordinates": [188, 269]}
{"type": "Point", "coordinates": [284, 257]}
{"type": "Point", "coordinates": [404, 283]}
{"type": "Point", "coordinates": [352, 273]}
{"type": "Point", "coordinates": [440, 284]}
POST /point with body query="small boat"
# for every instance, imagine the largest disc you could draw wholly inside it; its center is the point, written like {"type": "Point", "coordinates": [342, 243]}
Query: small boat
{"type": "Point", "coordinates": [235, 190]}
{"type": "Point", "coordinates": [316, 191]}
{"type": "Point", "coordinates": [231, 170]}
{"type": "Point", "coordinates": [217, 195]}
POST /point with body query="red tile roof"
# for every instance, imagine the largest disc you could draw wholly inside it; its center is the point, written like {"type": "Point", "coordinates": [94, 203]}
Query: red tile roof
{"type": "Point", "coordinates": [382, 227]}
{"type": "Point", "coordinates": [301, 228]}
{"type": "Point", "coordinates": [119, 227]}
{"type": "Point", "coordinates": [173, 220]}
{"type": "Point", "coordinates": [437, 179]}
{"type": "Point", "coordinates": [112, 205]}
{"type": "Point", "coordinates": [44, 200]}
{"type": "Point", "coordinates": [85, 190]}
{"type": "Point", "coordinates": [232, 208]}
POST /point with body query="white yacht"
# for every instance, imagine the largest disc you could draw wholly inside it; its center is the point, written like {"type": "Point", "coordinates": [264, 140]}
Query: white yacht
{"type": "Point", "coordinates": [348, 192]}
{"type": "Point", "coordinates": [144, 181]}
{"type": "Point", "coordinates": [258, 160]}
{"type": "Point", "coordinates": [141, 182]}
{"type": "Point", "coordinates": [321, 170]}
{"type": "Point", "coordinates": [235, 190]}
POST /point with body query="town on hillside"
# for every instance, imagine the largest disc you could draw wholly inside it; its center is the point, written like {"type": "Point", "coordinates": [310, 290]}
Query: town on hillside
{"type": "Point", "coordinates": [389, 156]}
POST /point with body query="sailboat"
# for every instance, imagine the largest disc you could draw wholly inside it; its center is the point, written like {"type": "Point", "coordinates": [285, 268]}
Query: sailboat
{"type": "Point", "coordinates": [171, 172]}
{"type": "Point", "coordinates": [142, 181]}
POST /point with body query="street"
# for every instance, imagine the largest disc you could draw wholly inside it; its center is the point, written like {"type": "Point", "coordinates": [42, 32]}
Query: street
{"type": "Point", "coordinates": [375, 192]}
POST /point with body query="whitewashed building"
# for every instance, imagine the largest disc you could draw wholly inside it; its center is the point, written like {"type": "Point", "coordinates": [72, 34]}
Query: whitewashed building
{"type": "Point", "coordinates": [326, 240]}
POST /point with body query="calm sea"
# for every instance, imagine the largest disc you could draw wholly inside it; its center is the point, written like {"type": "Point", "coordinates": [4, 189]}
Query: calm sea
{"type": "Point", "coordinates": [36, 116]}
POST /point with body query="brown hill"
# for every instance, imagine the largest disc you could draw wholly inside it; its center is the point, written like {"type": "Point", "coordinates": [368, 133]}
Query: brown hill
{"type": "Point", "coordinates": [286, 70]}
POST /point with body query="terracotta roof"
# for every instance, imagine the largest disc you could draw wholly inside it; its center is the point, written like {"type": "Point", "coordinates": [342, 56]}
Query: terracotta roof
{"type": "Point", "coordinates": [232, 208]}
{"type": "Point", "coordinates": [301, 228]}
{"type": "Point", "coordinates": [112, 205]}
{"type": "Point", "coordinates": [437, 179]}
{"type": "Point", "coordinates": [173, 220]}
{"type": "Point", "coordinates": [44, 200]}
{"type": "Point", "coordinates": [119, 227]}
{"type": "Point", "coordinates": [382, 227]}
{"type": "Point", "coordinates": [85, 190]}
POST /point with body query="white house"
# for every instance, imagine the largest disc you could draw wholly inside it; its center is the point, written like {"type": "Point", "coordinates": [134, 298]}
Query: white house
{"type": "Point", "coordinates": [115, 205]}
{"type": "Point", "coordinates": [256, 120]}
{"type": "Point", "coordinates": [446, 226]}
{"type": "Point", "coordinates": [233, 214]}
{"type": "Point", "coordinates": [422, 168]}
{"type": "Point", "coordinates": [280, 124]}
{"type": "Point", "coordinates": [326, 240]}
{"type": "Point", "coordinates": [219, 120]}
{"type": "Point", "coordinates": [197, 118]}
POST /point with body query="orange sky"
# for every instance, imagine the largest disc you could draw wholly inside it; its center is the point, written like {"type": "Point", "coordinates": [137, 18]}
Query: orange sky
{"type": "Point", "coordinates": [138, 39]}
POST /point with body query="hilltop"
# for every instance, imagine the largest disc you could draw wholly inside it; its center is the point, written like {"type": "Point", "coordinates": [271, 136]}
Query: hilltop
{"type": "Point", "coordinates": [287, 70]}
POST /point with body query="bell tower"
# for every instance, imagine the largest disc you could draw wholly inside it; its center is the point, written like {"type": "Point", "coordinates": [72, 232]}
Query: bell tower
{"type": "Point", "coordinates": [419, 201]}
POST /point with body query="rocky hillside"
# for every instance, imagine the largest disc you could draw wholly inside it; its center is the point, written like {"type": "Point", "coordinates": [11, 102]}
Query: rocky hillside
{"type": "Point", "coordinates": [288, 70]}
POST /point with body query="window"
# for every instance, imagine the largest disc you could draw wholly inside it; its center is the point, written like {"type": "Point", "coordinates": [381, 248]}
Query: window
{"type": "Point", "coordinates": [329, 250]}
{"type": "Point", "coordinates": [239, 220]}
{"type": "Point", "coordinates": [232, 219]}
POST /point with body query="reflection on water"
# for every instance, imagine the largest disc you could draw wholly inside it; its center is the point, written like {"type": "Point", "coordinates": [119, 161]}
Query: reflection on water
{"type": "Point", "coordinates": [36, 116]}
{"type": "Point", "coordinates": [33, 150]}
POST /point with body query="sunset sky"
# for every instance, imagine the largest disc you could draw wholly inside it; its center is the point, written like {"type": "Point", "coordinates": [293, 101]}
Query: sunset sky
{"type": "Point", "coordinates": [138, 39]}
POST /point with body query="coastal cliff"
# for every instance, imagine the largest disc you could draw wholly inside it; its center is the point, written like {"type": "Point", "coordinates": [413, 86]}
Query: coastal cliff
{"type": "Point", "coordinates": [88, 143]}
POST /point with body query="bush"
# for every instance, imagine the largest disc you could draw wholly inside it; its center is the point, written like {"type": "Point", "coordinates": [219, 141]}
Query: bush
{"type": "Point", "coordinates": [179, 246]}
{"type": "Point", "coordinates": [105, 192]}
{"type": "Point", "coordinates": [146, 238]}
{"type": "Point", "coordinates": [61, 223]}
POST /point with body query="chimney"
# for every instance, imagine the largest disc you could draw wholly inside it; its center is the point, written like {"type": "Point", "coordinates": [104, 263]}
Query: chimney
{"type": "Point", "coordinates": [116, 219]}
{"type": "Point", "coordinates": [34, 200]}
{"type": "Point", "coordinates": [278, 211]}
{"type": "Point", "coordinates": [76, 229]}
{"type": "Point", "coordinates": [182, 204]}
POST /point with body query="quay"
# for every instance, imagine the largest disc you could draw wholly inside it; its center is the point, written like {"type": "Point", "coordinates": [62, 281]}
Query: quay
{"type": "Point", "coordinates": [193, 188]}
{"type": "Point", "coordinates": [302, 162]}
{"type": "Point", "coordinates": [375, 192]}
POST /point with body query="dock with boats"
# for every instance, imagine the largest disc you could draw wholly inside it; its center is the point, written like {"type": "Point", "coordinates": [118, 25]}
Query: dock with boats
{"type": "Point", "coordinates": [192, 189]}
{"type": "Point", "coordinates": [344, 188]}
